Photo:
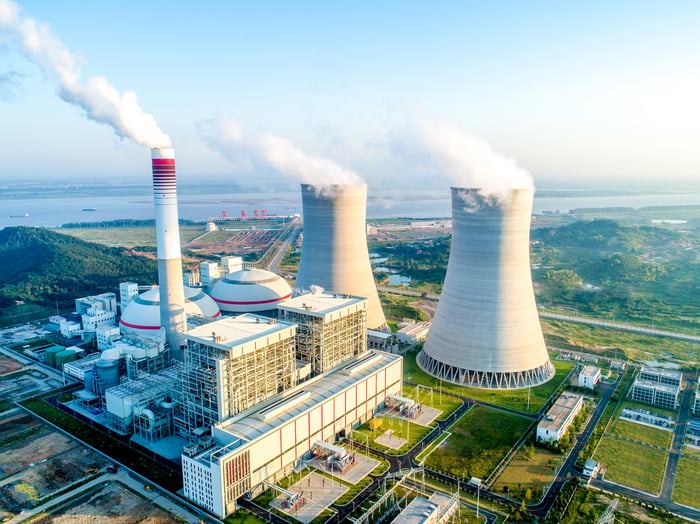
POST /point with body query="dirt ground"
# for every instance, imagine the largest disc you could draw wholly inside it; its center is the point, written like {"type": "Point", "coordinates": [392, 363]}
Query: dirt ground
{"type": "Point", "coordinates": [109, 503]}
{"type": "Point", "coordinates": [426, 306]}
{"type": "Point", "coordinates": [9, 365]}
{"type": "Point", "coordinates": [41, 464]}
{"type": "Point", "coordinates": [240, 242]}
{"type": "Point", "coordinates": [15, 425]}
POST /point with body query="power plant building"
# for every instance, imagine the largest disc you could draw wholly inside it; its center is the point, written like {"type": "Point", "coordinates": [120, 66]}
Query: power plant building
{"type": "Point", "coordinates": [334, 253]}
{"type": "Point", "coordinates": [331, 328]}
{"type": "Point", "coordinates": [250, 291]}
{"type": "Point", "coordinates": [486, 330]}
{"type": "Point", "coordinates": [265, 443]}
{"type": "Point", "coordinates": [233, 364]}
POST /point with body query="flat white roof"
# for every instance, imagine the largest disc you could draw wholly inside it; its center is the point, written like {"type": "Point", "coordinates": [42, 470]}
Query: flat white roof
{"type": "Point", "coordinates": [560, 411]}
{"type": "Point", "coordinates": [243, 333]}
{"type": "Point", "coordinates": [418, 511]}
{"type": "Point", "coordinates": [668, 388]}
{"type": "Point", "coordinates": [323, 304]}
{"type": "Point", "coordinates": [291, 404]}
{"type": "Point", "coordinates": [590, 371]}
{"type": "Point", "coordinates": [662, 372]}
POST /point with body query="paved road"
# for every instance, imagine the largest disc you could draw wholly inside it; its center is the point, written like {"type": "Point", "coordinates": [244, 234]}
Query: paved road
{"type": "Point", "coordinates": [677, 444]}
{"type": "Point", "coordinates": [282, 249]}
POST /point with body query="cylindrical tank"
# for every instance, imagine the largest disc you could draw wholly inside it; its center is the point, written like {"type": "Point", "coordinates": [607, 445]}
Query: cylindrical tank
{"type": "Point", "coordinates": [50, 355]}
{"type": "Point", "coordinates": [486, 331]}
{"type": "Point", "coordinates": [108, 372]}
{"type": "Point", "coordinates": [67, 355]}
{"type": "Point", "coordinates": [89, 381]}
{"type": "Point", "coordinates": [334, 251]}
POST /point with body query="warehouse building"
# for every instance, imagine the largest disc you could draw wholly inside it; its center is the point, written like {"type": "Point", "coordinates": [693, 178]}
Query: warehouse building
{"type": "Point", "coordinates": [559, 417]}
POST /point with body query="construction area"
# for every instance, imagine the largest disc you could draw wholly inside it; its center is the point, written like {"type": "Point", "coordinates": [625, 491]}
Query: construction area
{"type": "Point", "coordinates": [252, 241]}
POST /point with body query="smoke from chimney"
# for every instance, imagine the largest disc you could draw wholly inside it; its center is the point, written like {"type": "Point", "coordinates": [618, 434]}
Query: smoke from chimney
{"type": "Point", "coordinates": [465, 160]}
{"type": "Point", "coordinates": [100, 100]}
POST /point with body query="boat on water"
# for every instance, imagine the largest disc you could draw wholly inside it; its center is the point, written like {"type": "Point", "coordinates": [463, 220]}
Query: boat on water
{"type": "Point", "coordinates": [21, 215]}
{"type": "Point", "coordinates": [89, 209]}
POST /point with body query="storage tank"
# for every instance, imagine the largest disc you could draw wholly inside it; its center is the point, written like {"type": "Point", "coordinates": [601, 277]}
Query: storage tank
{"type": "Point", "coordinates": [334, 252]}
{"type": "Point", "coordinates": [107, 371]}
{"type": "Point", "coordinates": [89, 381]}
{"type": "Point", "coordinates": [486, 331]}
{"type": "Point", "coordinates": [50, 355]}
{"type": "Point", "coordinates": [67, 355]}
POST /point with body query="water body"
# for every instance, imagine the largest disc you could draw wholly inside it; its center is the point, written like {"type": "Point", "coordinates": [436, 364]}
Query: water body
{"type": "Point", "coordinates": [53, 212]}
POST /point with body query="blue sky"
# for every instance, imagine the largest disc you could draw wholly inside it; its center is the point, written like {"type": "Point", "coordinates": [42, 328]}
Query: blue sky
{"type": "Point", "coordinates": [572, 90]}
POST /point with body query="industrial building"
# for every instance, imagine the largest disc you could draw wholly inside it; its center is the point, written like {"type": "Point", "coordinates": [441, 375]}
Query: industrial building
{"type": "Point", "coordinates": [250, 291]}
{"type": "Point", "coordinates": [661, 376]}
{"type": "Point", "coordinates": [233, 364]}
{"type": "Point", "coordinates": [104, 302]}
{"type": "Point", "coordinates": [334, 251]}
{"type": "Point", "coordinates": [589, 377]}
{"type": "Point", "coordinates": [264, 443]}
{"type": "Point", "coordinates": [331, 328]}
{"type": "Point", "coordinates": [437, 509]}
{"type": "Point", "coordinates": [142, 316]}
{"type": "Point", "coordinates": [654, 393]}
{"type": "Point", "coordinates": [559, 417]}
{"type": "Point", "coordinates": [412, 332]}
{"type": "Point", "coordinates": [695, 406]}
{"type": "Point", "coordinates": [486, 330]}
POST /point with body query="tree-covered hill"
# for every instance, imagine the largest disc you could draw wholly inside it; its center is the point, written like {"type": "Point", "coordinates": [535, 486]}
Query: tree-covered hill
{"type": "Point", "coordinates": [47, 268]}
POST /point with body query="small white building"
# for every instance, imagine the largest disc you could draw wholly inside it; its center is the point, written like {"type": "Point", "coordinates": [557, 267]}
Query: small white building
{"type": "Point", "coordinates": [589, 377]}
{"type": "Point", "coordinates": [107, 335]}
{"type": "Point", "coordinates": [70, 328]}
{"type": "Point", "coordinates": [104, 301]}
{"type": "Point", "coordinates": [381, 340]}
{"type": "Point", "coordinates": [413, 332]}
{"type": "Point", "coordinates": [209, 273]}
{"type": "Point", "coordinates": [127, 291]}
{"type": "Point", "coordinates": [231, 264]}
{"type": "Point", "coordinates": [95, 317]}
{"type": "Point", "coordinates": [695, 408]}
{"type": "Point", "coordinates": [556, 422]}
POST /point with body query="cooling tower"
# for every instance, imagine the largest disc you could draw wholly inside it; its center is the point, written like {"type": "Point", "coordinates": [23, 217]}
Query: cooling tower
{"type": "Point", "coordinates": [334, 252]}
{"type": "Point", "coordinates": [486, 331]}
{"type": "Point", "coordinates": [172, 295]}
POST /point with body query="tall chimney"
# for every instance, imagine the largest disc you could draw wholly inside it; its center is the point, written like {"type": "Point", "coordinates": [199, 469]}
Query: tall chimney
{"type": "Point", "coordinates": [172, 295]}
{"type": "Point", "coordinates": [486, 330]}
{"type": "Point", "coordinates": [334, 251]}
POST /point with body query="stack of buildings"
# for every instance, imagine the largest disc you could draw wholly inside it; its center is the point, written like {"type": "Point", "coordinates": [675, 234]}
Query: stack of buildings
{"type": "Point", "coordinates": [658, 387]}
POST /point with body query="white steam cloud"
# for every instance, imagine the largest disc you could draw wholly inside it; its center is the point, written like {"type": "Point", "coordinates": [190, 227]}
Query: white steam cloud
{"type": "Point", "coordinates": [227, 137]}
{"type": "Point", "coordinates": [100, 100]}
{"type": "Point", "coordinates": [466, 160]}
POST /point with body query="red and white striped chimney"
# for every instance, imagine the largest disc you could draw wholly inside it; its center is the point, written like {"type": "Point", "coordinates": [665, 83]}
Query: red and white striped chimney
{"type": "Point", "coordinates": [172, 295]}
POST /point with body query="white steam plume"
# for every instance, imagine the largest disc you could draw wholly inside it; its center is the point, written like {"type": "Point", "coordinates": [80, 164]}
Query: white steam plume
{"type": "Point", "coordinates": [101, 101]}
{"type": "Point", "coordinates": [227, 137]}
{"type": "Point", "coordinates": [466, 160]}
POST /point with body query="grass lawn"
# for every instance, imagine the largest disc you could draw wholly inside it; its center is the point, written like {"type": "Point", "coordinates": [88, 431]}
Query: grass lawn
{"type": "Point", "coordinates": [631, 464]}
{"type": "Point", "coordinates": [691, 452]}
{"type": "Point", "coordinates": [413, 433]}
{"type": "Point", "coordinates": [514, 398]}
{"type": "Point", "coordinates": [613, 342]}
{"type": "Point", "coordinates": [642, 433]}
{"type": "Point", "coordinates": [445, 403]}
{"type": "Point", "coordinates": [479, 441]}
{"type": "Point", "coordinates": [531, 468]}
{"type": "Point", "coordinates": [686, 489]}
{"type": "Point", "coordinates": [398, 307]}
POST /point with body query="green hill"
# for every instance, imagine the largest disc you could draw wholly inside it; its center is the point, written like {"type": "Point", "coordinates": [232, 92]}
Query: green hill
{"type": "Point", "coordinates": [46, 268]}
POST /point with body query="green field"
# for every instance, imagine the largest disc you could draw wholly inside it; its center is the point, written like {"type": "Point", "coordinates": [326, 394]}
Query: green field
{"type": "Point", "coordinates": [686, 488]}
{"type": "Point", "coordinates": [642, 433]}
{"type": "Point", "coordinates": [634, 465]}
{"type": "Point", "coordinates": [516, 399]}
{"type": "Point", "coordinates": [404, 429]}
{"type": "Point", "coordinates": [398, 307]}
{"type": "Point", "coordinates": [479, 441]}
{"type": "Point", "coordinates": [532, 468]}
{"type": "Point", "coordinates": [618, 344]}
{"type": "Point", "coordinates": [128, 236]}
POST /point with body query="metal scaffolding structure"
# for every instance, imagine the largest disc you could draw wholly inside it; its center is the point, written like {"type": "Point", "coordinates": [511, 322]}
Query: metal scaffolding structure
{"type": "Point", "coordinates": [215, 386]}
{"type": "Point", "coordinates": [327, 344]}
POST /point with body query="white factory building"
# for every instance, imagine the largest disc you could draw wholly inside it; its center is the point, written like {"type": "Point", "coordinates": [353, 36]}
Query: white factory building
{"type": "Point", "coordinates": [559, 417]}
{"type": "Point", "coordinates": [411, 332]}
{"type": "Point", "coordinates": [658, 387]}
{"type": "Point", "coordinates": [589, 377]}
{"type": "Point", "coordinates": [267, 441]}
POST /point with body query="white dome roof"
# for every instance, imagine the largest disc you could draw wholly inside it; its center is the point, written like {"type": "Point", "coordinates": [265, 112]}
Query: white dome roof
{"type": "Point", "coordinates": [142, 314]}
{"type": "Point", "coordinates": [250, 290]}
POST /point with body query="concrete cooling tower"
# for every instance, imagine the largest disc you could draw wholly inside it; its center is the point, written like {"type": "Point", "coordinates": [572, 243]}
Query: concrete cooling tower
{"type": "Point", "coordinates": [486, 331]}
{"type": "Point", "coordinates": [172, 294]}
{"type": "Point", "coordinates": [334, 252]}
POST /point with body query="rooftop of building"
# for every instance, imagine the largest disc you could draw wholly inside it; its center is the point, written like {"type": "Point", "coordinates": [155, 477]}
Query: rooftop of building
{"type": "Point", "coordinates": [419, 510]}
{"type": "Point", "coordinates": [414, 327]}
{"type": "Point", "coordinates": [285, 407]}
{"type": "Point", "coordinates": [560, 411]}
{"type": "Point", "coordinates": [590, 371]}
{"type": "Point", "coordinates": [239, 332]}
{"type": "Point", "coordinates": [323, 304]}
{"type": "Point", "coordinates": [668, 388]}
{"type": "Point", "coordinates": [662, 372]}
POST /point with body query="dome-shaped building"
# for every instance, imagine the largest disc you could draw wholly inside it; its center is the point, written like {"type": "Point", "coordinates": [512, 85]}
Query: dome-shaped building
{"type": "Point", "coordinates": [142, 315]}
{"type": "Point", "coordinates": [250, 291]}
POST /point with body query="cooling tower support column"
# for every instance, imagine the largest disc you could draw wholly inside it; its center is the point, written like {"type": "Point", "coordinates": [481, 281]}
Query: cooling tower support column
{"type": "Point", "coordinates": [334, 252]}
{"type": "Point", "coordinates": [486, 331]}
{"type": "Point", "coordinates": [172, 294]}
